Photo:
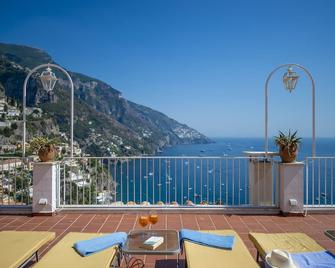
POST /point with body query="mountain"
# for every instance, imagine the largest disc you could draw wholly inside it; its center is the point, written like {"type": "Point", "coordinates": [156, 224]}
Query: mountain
{"type": "Point", "coordinates": [105, 123]}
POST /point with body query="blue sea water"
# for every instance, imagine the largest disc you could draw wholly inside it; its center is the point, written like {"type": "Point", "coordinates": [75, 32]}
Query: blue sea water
{"type": "Point", "coordinates": [236, 146]}
{"type": "Point", "coordinates": [222, 180]}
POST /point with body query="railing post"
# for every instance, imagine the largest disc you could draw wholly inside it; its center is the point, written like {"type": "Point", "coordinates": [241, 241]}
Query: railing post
{"type": "Point", "coordinates": [45, 187]}
{"type": "Point", "coordinates": [291, 176]}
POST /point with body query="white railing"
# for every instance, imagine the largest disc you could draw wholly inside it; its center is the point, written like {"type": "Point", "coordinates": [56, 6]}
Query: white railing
{"type": "Point", "coordinates": [167, 181]}
{"type": "Point", "coordinates": [320, 182]}
{"type": "Point", "coordinates": [15, 181]}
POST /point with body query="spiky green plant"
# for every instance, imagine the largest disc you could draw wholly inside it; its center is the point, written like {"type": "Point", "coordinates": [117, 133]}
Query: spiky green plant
{"type": "Point", "coordinates": [289, 141]}
{"type": "Point", "coordinates": [40, 143]}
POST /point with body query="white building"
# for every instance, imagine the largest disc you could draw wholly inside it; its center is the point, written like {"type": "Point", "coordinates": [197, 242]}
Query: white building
{"type": "Point", "coordinates": [10, 164]}
{"type": "Point", "coordinates": [13, 112]}
{"type": "Point", "coordinates": [79, 179]}
{"type": "Point", "coordinates": [5, 124]}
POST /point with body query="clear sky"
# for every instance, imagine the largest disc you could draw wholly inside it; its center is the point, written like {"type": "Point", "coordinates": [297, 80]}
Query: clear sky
{"type": "Point", "coordinates": [203, 63]}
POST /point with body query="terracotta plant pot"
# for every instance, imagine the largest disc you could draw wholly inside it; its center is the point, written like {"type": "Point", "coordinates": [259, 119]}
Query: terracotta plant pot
{"type": "Point", "coordinates": [47, 153]}
{"type": "Point", "coordinates": [288, 154]}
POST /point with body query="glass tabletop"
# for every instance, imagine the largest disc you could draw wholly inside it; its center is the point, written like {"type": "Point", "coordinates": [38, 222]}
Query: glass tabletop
{"type": "Point", "coordinates": [330, 234]}
{"type": "Point", "coordinates": [136, 238]}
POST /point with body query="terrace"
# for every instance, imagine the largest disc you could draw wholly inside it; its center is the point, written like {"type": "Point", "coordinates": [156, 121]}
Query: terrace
{"type": "Point", "coordinates": [313, 225]}
{"type": "Point", "coordinates": [94, 195]}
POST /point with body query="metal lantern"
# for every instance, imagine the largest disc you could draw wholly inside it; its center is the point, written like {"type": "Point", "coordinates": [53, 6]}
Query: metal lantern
{"type": "Point", "coordinates": [290, 79]}
{"type": "Point", "coordinates": [48, 79]}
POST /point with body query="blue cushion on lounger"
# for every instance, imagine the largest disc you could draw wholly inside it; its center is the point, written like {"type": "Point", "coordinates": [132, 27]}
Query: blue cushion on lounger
{"type": "Point", "coordinates": [321, 259]}
{"type": "Point", "coordinates": [206, 239]}
{"type": "Point", "coordinates": [94, 245]}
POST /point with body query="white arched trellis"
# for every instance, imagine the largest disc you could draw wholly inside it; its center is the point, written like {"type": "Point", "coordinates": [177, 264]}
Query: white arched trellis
{"type": "Point", "coordinates": [48, 65]}
{"type": "Point", "coordinates": [313, 104]}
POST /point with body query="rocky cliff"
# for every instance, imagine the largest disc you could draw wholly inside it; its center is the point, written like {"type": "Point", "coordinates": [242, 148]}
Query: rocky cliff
{"type": "Point", "coordinates": [105, 122]}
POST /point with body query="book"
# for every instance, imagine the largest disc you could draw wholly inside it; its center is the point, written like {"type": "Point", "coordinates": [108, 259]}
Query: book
{"type": "Point", "coordinates": [153, 242]}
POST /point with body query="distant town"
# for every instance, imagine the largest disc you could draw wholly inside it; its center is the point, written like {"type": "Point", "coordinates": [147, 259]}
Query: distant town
{"type": "Point", "coordinates": [10, 122]}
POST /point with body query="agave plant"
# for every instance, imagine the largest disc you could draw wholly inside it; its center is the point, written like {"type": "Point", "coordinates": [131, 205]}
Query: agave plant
{"type": "Point", "coordinates": [44, 147]}
{"type": "Point", "coordinates": [39, 143]}
{"type": "Point", "coordinates": [288, 145]}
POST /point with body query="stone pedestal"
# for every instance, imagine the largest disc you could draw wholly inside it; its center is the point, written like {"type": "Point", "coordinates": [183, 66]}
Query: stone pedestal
{"type": "Point", "coordinates": [291, 195]}
{"type": "Point", "coordinates": [44, 187]}
{"type": "Point", "coordinates": [260, 183]}
{"type": "Point", "coordinates": [260, 178]}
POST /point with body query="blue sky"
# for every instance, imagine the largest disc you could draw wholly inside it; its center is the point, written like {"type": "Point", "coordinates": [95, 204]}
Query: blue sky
{"type": "Point", "coordinates": [203, 63]}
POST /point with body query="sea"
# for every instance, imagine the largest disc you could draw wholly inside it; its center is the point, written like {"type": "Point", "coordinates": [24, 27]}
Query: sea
{"type": "Point", "coordinates": [213, 173]}
{"type": "Point", "coordinates": [236, 147]}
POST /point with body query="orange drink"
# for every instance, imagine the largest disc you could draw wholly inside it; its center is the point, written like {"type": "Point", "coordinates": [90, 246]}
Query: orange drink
{"type": "Point", "coordinates": [143, 221]}
{"type": "Point", "coordinates": [153, 218]}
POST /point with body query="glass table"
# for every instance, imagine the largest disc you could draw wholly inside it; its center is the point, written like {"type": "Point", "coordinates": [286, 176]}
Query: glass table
{"type": "Point", "coordinates": [135, 239]}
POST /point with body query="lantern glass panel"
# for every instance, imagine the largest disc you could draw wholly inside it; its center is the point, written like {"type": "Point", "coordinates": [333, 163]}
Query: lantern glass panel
{"type": "Point", "coordinates": [48, 79]}
{"type": "Point", "coordinates": [290, 80]}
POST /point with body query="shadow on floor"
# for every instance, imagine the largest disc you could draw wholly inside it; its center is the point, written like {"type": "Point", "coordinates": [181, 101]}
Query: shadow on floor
{"type": "Point", "coordinates": [169, 263]}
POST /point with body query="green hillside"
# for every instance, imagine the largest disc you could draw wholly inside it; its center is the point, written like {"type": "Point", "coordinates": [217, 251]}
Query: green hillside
{"type": "Point", "coordinates": [105, 122]}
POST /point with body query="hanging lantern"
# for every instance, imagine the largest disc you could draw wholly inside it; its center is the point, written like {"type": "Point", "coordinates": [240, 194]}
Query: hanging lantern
{"type": "Point", "coordinates": [48, 79]}
{"type": "Point", "coordinates": [290, 79]}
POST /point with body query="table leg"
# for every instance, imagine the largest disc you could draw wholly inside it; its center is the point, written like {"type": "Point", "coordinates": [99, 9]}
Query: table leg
{"type": "Point", "coordinates": [178, 260]}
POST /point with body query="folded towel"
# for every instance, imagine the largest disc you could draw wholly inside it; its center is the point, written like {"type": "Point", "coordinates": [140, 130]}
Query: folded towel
{"type": "Point", "coordinates": [206, 239]}
{"type": "Point", "coordinates": [321, 259]}
{"type": "Point", "coordinates": [94, 245]}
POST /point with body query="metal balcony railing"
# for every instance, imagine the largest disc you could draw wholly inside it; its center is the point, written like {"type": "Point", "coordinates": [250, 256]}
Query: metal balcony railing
{"type": "Point", "coordinates": [168, 181]}
{"type": "Point", "coordinates": [15, 181]}
{"type": "Point", "coordinates": [319, 182]}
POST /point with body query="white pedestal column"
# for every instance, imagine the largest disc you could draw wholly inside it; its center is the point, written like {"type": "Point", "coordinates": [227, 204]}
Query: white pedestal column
{"type": "Point", "coordinates": [260, 178]}
{"type": "Point", "coordinates": [291, 176]}
{"type": "Point", "coordinates": [260, 183]}
{"type": "Point", "coordinates": [44, 187]}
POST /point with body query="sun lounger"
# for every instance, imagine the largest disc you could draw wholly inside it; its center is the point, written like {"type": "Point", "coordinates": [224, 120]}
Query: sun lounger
{"type": "Point", "coordinates": [291, 242]}
{"type": "Point", "coordinates": [17, 247]}
{"type": "Point", "coordinates": [204, 256]}
{"type": "Point", "coordinates": [63, 255]}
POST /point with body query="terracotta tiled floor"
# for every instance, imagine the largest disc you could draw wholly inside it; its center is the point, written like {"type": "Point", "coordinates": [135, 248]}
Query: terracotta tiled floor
{"type": "Point", "coordinates": [312, 225]}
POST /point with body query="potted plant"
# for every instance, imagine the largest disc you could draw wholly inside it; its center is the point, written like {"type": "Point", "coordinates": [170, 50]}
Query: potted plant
{"type": "Point", "coordinates": [44, 147]}
{"type": "Point", "coordinates": [288, 146]}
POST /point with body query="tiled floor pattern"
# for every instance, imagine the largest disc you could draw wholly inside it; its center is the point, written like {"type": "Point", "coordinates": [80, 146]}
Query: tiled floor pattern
{"type": "Point", "coordinates": [312, 225]}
